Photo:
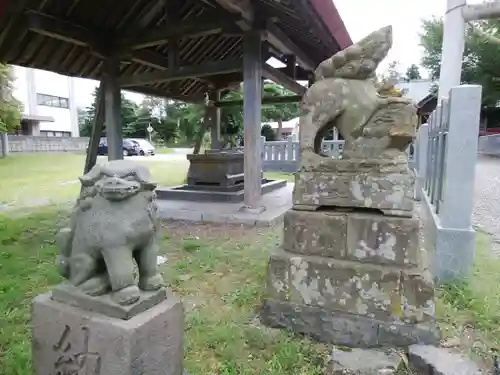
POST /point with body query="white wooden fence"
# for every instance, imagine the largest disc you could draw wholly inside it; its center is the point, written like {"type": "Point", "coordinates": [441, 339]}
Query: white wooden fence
{"type": "Point", "coordinates": [446, 154]}
{"type": "Point", "coordinates": [283, 156]}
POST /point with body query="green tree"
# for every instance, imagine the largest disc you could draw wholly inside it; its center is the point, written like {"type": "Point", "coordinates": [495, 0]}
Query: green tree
{"type": "Point", "coordinates": [481, 61]}
{"type": "Point", "coordinates": [232, 117]}
{"type": "Point", "coordinates": [10, 107]}
{"type": "Point", "coordinates": [131, 124]}
{"type": "Point", "coordinates": [412, 73]}
{"type": "Point", "coordinates": [279, 112]}
{"type": "Point", "coordinates": [268, 132]}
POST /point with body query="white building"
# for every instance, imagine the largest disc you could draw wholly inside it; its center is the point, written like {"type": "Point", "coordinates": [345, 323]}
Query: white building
{"type": "Point", "coordinates": [49, 107]}
{"type": "Point", "coordinates": [416, 89]}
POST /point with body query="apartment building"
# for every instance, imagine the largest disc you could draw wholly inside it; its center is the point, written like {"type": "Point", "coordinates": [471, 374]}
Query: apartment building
{"type": "Point", "coordinates": [49, 106]}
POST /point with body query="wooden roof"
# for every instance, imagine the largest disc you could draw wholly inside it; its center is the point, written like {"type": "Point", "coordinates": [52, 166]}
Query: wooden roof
{"type": "Point", "coordinates": [171, 48]}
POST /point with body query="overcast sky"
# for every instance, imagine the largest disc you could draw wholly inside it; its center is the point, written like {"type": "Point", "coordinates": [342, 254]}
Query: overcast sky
{"type": "Point", "coordinates": [361, 17]}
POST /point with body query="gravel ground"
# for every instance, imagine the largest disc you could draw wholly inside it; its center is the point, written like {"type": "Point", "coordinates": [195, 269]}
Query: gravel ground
{"type": "Point", "coordinates": [487, 198]}
{"type": "Point", "coordinates": [487, 195]}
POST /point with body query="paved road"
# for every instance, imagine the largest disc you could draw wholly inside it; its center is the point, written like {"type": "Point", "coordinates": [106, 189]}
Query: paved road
{"type": "Point", "coordinates": [176, 154]}
{"type": "Point", "coordinates": [487, 195]}
{"type": "Point", "coordinates": [159, 157]}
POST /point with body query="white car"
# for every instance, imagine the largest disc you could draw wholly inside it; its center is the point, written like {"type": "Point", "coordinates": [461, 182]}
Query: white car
{"type": "Point", "coordinates": [145, 147]}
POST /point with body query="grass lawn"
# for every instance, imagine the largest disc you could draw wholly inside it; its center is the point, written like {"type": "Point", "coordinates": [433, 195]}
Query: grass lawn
{"type": "Point", "coordinates": [470, 311]}
{"type": "Point", "coordinates": [40, 179]}
{"type": "Point", "coordinates": [217, 270]}
{"type": "Point", "coordinates": [37, 179]}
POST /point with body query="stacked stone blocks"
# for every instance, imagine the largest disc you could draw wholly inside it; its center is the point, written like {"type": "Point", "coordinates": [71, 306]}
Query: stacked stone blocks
{"type": "Point", "coordinates": [351, 270]}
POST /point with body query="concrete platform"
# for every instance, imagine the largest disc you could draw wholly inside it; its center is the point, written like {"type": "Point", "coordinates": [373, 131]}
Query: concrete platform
{"type": "Point", "coordinates": [276, 203]}
{"type": "Point", "coordinates": [207, 193]}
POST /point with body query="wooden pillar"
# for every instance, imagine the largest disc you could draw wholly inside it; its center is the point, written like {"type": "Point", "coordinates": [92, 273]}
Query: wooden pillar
{"type": "Point", "coordinates": [95, 135]}
{"type": "Point", "coordinates": [4, 147]}
{"type": "Point", "coordinates": [252, 91]}
{"type": "Point", "coordinates": [112, 105]}
{"type": "Point", "coordinates": [291, 66]}
{"type": "Point", "coordinates": [214, 115]}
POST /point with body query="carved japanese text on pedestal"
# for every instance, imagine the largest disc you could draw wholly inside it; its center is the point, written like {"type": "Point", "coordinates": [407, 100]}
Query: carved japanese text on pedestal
{"type": "Point", "coordinates": [73, 356]}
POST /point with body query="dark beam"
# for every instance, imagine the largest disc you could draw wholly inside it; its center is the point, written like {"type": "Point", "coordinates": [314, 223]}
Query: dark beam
{"type": "Point", "coordinates": [153, 59]}
{"type": "Point", "coordinates": [112, 108]}
{"type": "Point", "coordinates": [95, 134]}
{"type": "Point", "coordinates": [76, 34]}
{"type": "Point", "coordinates": [291, 66]}
{"type": "Point", "coordinates": [214, 115]}
{"type": "Point", "coordinates": [173, 17]}
{"type": "Point", "coordinates": [158, 92]}
{"type": "Point", "coordinates": [273, 100]}
{"type": "Point", "coordinates": [232, 79]}
{"type": "Point", "coordinates": [162, 34]}
{"type": "Point", "coordinates": [274, 35]}
{"type": "Point", "coordinates": [183, 72]}
{"type": "Point", "coordinates": [280, 40]}
{"type": "Point", "coordinates": [149, 58]}
{"type": "Point", "coordinates": [281, 78]}
{"type": "Point", "coordinates": [58, 29]}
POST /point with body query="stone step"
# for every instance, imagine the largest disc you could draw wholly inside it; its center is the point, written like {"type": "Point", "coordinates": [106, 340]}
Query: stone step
{"type": "Point", "coordinates": [365, 237]}
{"type": "Point", "coordinates": [345, 329]}
{"type": "Point", "coordinates": [376, 291]}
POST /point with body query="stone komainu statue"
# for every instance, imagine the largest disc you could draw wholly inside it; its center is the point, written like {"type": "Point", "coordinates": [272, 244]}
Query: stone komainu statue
{"type": "Point", "coordinates": [113, 223]}
{"type": "Point", "coordinates": [344, 95]}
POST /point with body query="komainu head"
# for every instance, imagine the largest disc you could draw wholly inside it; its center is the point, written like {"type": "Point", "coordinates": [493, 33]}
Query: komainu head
{"type": "Point", "coordinates": [360, 60]}
{"type": "Point", "coordinates": [117, 180]}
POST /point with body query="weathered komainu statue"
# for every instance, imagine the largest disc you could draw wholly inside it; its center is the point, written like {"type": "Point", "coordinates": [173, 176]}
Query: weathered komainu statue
{"type": "Point", "coordinates": [114, 223]}
{"type": "Point", "coordinates": [344, 95]}
{"type": "Point", "coordinates": [377, 130]}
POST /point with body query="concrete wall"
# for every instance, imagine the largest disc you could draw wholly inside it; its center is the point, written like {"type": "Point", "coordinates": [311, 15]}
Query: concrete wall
{"type": "Point", "coordinates": [21, 143]}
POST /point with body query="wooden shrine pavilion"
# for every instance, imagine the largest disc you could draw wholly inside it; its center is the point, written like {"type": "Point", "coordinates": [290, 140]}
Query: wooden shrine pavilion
{"type": "Point", "coordinates": [189, 50]}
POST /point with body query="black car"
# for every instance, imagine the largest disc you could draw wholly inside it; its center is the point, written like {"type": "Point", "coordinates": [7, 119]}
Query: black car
{"type": "Point", "coordinates": [129, 147]}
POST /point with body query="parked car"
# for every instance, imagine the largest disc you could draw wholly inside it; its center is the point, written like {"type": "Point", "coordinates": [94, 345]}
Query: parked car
{"type": "Point", "coordinates": [129, 147]}
{"type": "Point", "coordinates": [145, 147]}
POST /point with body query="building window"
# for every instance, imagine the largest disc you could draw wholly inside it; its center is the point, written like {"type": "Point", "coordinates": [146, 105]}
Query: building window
{"type": "Point", "coordinates": [45, 133]}
{"type": "Point", "coordinates": [285, 135]}
{"type": "Point", "coordinates": [52, 101]}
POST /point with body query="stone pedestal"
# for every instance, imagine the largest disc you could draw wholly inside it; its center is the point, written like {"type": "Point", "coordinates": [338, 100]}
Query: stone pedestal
{"type": "Point", "coordinates": [216, 168]}
{"type": "Point", "coordinates": [69, 339]}
{"type": "Point", "coordinates": [216, 176]}
{"type": "Point", "coordinates": [351, 276]}
{"type": "Point", "coordinates": [385, 187]}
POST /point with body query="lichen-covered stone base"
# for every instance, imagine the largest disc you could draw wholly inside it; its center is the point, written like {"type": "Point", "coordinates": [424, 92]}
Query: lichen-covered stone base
{"type": "Point", "coordinates": [392, 193]}
{"type": "Point", "coordinates": [376, 291]}
{"type": "Point", "coordinates": [345, 329]}
{"type": "Point", "coordinates": [351, 278]}
{"type": "Point", "coordinates": [353, 236]}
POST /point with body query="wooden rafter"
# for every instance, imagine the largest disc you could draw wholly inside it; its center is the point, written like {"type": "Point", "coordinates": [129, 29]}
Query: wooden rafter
{"type": "Point", "coordinates": [265, 101]}
{"type": "Point", "coordinates": [281, 78]}
{"type": "Point", "coordinates": [162, 34]}
{"type": "Point", "coordinates": [273, 34]}
{"type": "Point", "coordinates": [183, 72]}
